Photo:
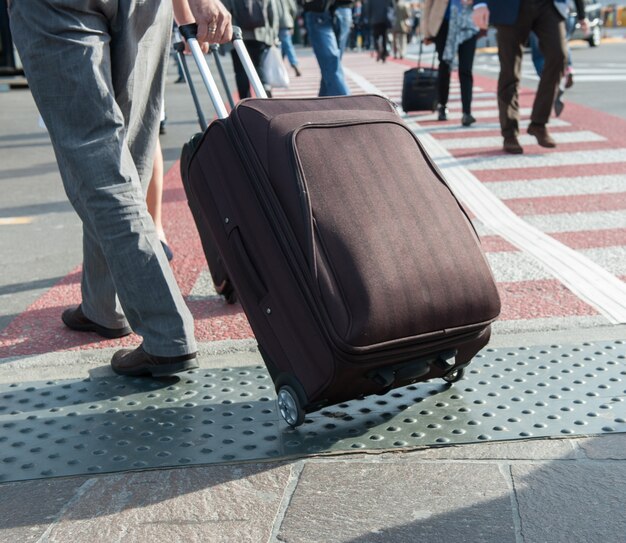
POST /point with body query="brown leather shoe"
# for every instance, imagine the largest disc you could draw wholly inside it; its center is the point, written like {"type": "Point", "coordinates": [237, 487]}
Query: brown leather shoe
{"type": "Point", "coordinates": [511, 145]}
{"type": "Point", "coordinates": [76, 320]}
{"type": "Point", "coordinates": [138, 362]}
{"type": "Point", "coordinates": [540, 131]}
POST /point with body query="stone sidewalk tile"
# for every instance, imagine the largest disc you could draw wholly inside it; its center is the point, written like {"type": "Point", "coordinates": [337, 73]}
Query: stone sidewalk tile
{"type": "Point", "coordinates": [607, 447]}
{"type": "Point", "coordinates": [28, 508]}
{"type": "Point", "coordinates": [573, 501]}
{"type": "Point", "coordinates": [538, 449]}
{"type": "Point", "coordinates": [217, 504]}
{"type": "Point", "coordinates": [353, 502]}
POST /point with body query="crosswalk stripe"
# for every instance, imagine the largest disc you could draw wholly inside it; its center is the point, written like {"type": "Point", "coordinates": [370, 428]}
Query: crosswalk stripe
{"type": "Point", "coordinates": [564, 186]}
{"type": "Point", "coordinates": [486, 127]}
{"type": "Point", "coordinates": [510, 267]}
{"type": "Point", "coordinates": [582, 136]}
{"type": "Point", "coordinates": [544, 160]}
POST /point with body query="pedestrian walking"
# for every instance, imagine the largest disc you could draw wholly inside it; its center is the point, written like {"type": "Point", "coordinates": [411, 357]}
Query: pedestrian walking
{"type": "Point", "coordinates": [287, 12]}
{"type": "Point", "coordinates": [343, 23]}
{"type": "Point", "coordinates": [538, 59]}
{"type": "Point", "coordinates": [401, 28]}
{"type": "Point", "coordinates": [379, 17]}
{"type": "Point", "coordinates": [259, 23]}
{"type": "Point", "coordinates": [448, 23]}
{"type": "Point", "coordinates": [514, 20]}
{"type": "Point", "coordinates": [103, 118]}
{"type": "Point", "coordinates": [319, 21]}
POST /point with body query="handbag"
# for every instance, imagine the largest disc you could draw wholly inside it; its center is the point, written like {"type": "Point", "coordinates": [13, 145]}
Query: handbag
{"type": "Point", "coordinates": [419, 88]}
{"type": "Point", "coordinates": [274, 72]}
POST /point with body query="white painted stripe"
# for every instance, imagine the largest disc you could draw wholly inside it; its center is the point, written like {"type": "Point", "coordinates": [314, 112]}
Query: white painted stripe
{"type": "Point", "coordinates": [567, 222]}
{"type": "Point", "coordinates": [590, 282]}
{"type": "Point", "coordinates": [480, 114]}
{"type": "Point", "coordinates": [563, 186]}
{"type": "Point", "coordinates": [496, 141]}
{"type": "Point", "coordinates": [475, 95]}
{"type": "Point", "coordinates": [598, 78]}
{"type": "Point", "coordinates": [515, 266]}
{"type": "Point", "coordinates": [512, 266]}
{"type": "Point", "coordinates": [203, 288]}
{"type": "Point", "coordinates": [484, 127]}
{"type": "Point", "coordinates": [542, 160]}
{"type": "Point", "coordinates": [476, 104]}
{"type": "Point", "coordinates": [504, 327]}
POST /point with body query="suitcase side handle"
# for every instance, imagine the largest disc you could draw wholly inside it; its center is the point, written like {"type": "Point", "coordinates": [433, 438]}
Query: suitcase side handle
{"type": "Point", "coordinates": [189, 32]}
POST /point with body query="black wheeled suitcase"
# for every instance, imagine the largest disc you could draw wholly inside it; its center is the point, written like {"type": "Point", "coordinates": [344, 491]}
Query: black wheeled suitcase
{"type": "Point", "coordinates": [355, 264]}
{"type": "Point", "coordinates": [419, 86]}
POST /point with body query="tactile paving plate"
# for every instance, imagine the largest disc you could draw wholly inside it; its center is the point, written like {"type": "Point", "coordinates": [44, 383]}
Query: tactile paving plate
{"type": "Point", "coordinates": [58, 428]}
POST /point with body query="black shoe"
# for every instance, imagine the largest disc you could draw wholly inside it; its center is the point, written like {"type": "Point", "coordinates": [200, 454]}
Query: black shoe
{"type": "Point", "coordinates": [297, 70]}
{"type": "Point", "coordinates": [540, 131]}
{"type": "Point", "coordinates": [168, 252]}
{"type": "Point", "coordinates": [76, 320]}
{"type": "Point", "coordinates": [512, 146]}
{"type": "Point", "coordinates": [467, 119]}
{"type": "Point", "coordinates": [138, 362]}
{"type": "Point", "coordinates": [181, 79]}
{"type": "Point", "coordinates": [443, 113]}
{"type": "Point", "coordinates": [162, 129]}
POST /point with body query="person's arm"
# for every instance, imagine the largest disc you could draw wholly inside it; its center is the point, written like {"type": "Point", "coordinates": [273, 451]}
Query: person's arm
{"type": "Point", "coordinates": [213, 19]}
{"type": "Point", "coordinates": [581, 15]}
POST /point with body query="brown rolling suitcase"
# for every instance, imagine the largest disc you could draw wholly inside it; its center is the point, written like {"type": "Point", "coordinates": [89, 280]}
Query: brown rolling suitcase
{"type": "Point", "coordinates": [356, 266]}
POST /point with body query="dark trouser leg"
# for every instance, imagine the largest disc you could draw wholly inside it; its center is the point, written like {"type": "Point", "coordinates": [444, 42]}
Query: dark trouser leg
{"type": "Point", "coordinates": [443, 81]}
{"type": "Point", "coordinates": [550, 30]}
{"type": "Point", "coordinates": [257, 51]}
{"type": "Point", "coordinates": [510, 42]}
{"type": "Point", "coordinates": [466, 63]}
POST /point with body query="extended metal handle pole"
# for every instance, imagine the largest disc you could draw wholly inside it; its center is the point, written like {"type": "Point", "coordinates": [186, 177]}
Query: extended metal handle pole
{"type": "Point", "coordinates": [248, 66]}
{"type": "Point", "coordinates": [189, 33]}
{"type": "Point", "coordinates": [215, 51]}
{"type": "Point", "coordinates": [180, 48]}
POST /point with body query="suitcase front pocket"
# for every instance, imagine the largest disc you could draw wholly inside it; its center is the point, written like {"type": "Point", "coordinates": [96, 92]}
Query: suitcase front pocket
{"type": "Point", "coordinates": [392, 253]}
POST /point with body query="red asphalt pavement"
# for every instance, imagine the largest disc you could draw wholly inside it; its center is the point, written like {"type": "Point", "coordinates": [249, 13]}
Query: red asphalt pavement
{"type": "Point", "coordinates": [39, 329]}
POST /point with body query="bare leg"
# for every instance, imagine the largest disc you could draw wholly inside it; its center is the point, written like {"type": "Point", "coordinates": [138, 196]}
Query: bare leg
{"type": "Point", "coordinates": [154, 198]}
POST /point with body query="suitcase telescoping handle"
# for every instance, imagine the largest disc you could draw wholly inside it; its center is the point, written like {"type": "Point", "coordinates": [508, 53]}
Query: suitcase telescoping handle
{"type": "Point", "coordinates": [189, 32]}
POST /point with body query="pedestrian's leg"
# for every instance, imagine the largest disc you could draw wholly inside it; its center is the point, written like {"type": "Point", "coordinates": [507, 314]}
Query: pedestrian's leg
{"type": "Point", "coordinates": [510, 43]}
{"type": "Point", "coordinates": [324, 42]}
{"type": "Point", "coordinates": [104, 134]}
{"type": "Point", "coordinates": [288, 49]}
{"type": "Point", "coordinates": [443, 74]}
{"type": "Point", "coordinates": [466, 63]}
{"type": "Point", "coordinates": [343, 24]}
{"type": "Point", "coordinates": [550, 30]}
{"type": "Point", "coordinates": [535, 53]}
{"type": "Point", "coordinates": [241, 79]}
{"type": "Point", "coordinates": [403, 44]}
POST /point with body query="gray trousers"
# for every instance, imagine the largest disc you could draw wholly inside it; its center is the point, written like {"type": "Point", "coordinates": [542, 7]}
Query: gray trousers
{"type": "Point", "coordinates": [542, 18]}
{"type": "Point", "coordinates": [96, 71]}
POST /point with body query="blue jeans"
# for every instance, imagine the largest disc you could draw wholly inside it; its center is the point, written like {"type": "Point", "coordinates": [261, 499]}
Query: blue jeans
{"type": "Point", "coordinates": [343, 24]}
{"type": "Point", "coordinates": [324, 42]}
{"type": "Point", "coordinates": [286, 46]}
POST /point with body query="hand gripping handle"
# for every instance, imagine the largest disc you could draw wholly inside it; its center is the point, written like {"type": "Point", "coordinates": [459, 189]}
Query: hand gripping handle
{"type": "Point", "coordinates": [189, 32]}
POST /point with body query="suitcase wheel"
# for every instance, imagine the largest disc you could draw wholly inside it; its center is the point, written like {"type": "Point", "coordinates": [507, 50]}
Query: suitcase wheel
{"type": "Point", "coordinates": [455, 375]}
{"type": "Point", "coordinates": [290, 407]}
